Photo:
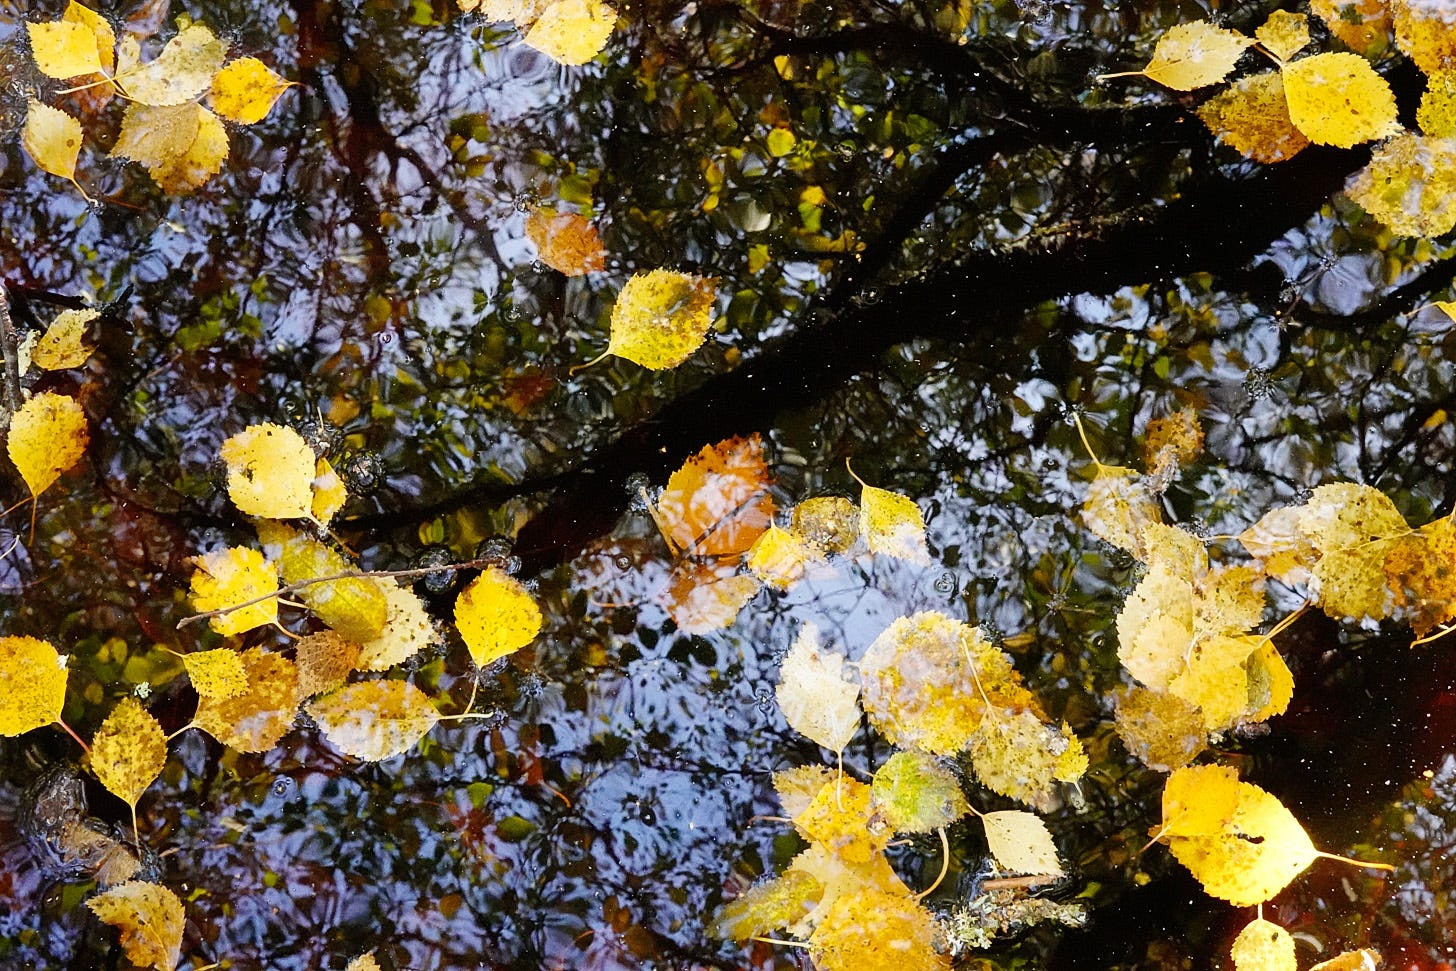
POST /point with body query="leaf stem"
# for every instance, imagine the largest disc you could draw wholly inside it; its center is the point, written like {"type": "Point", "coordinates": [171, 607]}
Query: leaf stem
{"type": "Point", "coordinates": [944, 865]}
{"type": "Point", "coordinates": [1360, 863]}
{"type": "Point", "coordinates": [71, 732]}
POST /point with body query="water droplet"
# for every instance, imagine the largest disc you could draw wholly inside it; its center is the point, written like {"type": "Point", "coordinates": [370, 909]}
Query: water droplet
{"type": "Point", "coordinates": [622, 561]}
{"type": "Point", "coordinates": [764, 701]}
{"type": "Point", "coordinates": [281, 786]}
{"type": "Point", "coordinates": [385, 337]}
{"type": "Point", "coordinates": [947, 584]}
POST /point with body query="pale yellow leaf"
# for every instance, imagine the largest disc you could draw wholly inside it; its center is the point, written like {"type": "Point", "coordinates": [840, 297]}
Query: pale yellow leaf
{"type": "Point", "coordinates": [1195, 54]}
{"type": "Point", "coordinates": [245, 90]}
{"type": "Point", "coordinates": [573, 31]}
{"type": "Point", "coordinates": [892, 524]}
{"type": "Point", "coordinates": [375, 720]}
{"type": "Point", "coordinates": [777, 557]}
{"type": "Point", "coordinates": [32, 684]}
{"type": "Point", "coordinates": [1120, 507]}
{"type": "Point", "coordinates": [329, 493]}
{"type": "Point", "coordinates": [816, 693]}
{"type": "Point", "coordinates": [181, 72]}
{"type": "Point", "coordinates": [1284, 34]}
{"type": "Point", "coordinates": [1410, 185]}
{"type": "Point", "coordinates": [1163, 731]}
{"type": "Point", "coordinates": [270, 472]}
{"type": "Point", "coordinates": [407, 630]}
{"type": "Point", "coordinates": [128, 751]}
{"type": "Point", "coordinates": [48, 435]}
{"type": "Point", "coordinates": [63, 345]}
{"type": "Point", "coordinates": [496, 616]}
{"type": "Point", "coordinates": [1361, 960]}
{"type": "Point", "coordinates": [1021, 843]}
{"type": "Point", "coordinates": [150, 919]}
{"type": "Point", "coordinates": [825, 524]}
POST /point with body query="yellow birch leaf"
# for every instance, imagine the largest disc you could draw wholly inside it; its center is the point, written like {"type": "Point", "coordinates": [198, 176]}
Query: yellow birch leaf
{"type": "Point", "coordinates": [1338, 99]}
{"type": "Point", "coordinates": [101, 30]}
{"type": "Point", "coordinates": [767, 907]}
{"type": "Point", "coordinates": [180, 146]}
{"type": "Point", "coordinates": [1270, 684]}
{"type": "Point", "coordinates": [32, 684]}
{"type": "Point", "coordinates": [1020, 756]}
{"type": "Point", "coordinates": [1119, 507]}
{"type": "Point", "coordinates": [1215, 678]}
{"type": "Point", "coordinates": [1021, 843]}
{"type": "Point", "coordinates": [797, 787]}
{"type": "Point", "coordinates": [181, 72]}
{"type": "Point", "coordinates": [1199, 801]}
{"type": "Point", "coordinates": [270, 472]}
{"type": "Point", "coordinates": [572, 31]}
{"type": "Point", "coordinates": [150, 919]}
{"type": "Point", "coordinates": [1361, 960]}
{"type": "Point", "coordinates": [1254, 856]}
{"type": "Point", "coordinates": [1420, 571]}
{"type": "Point", "coordinates": [1252, 117]}
{"type": "Point", "coordinates": [375, 720]}
{"type": "Point", "coordinates": [63, 345]}
{"type": "Point", "coordinates": [1437, 114]}
{"type": "Point", "coordinates": [1161, 730]}
{"type": "Point", "coordinates": [926, 680]}
{"type": "Point", "coordinates": [661, 317]}
{"type": "Point", "coordinates": [218, 673]}
{"type": "Point", "coordinates": [52, 138]}
{"type": "Point", "coordinates": [64, 49]}
{"type": "Point", "coordinates": [364, 962]}
{"type": "Point", "coordinates": [825, 524]}
{"type": "Point", "coordinates": [1276, 539]}
{"type": "Point", "coordinates": [1195, 54]}
{"type": "Point", "coordinates": [407, 630]}
{"type": "Point", "coordinates": [1342, 515]}
{"type": "Point", "coordinates": [839, 818]}
{"type": "Point", "coordinates": [324, 661]}
{"type": "Point", "coordinates": [255, 720]}
{"type": "Point", "coordinates": [816, 694]}
{"type": "Point", "coordinates": [870, 930]}
{"type": "Point", "coordinates": [496, 616]}
{"type": "Point", "coordinates": [128, 751]}
{"type": "Point", "coordinates": [1284, 34]}
{"type": "Point", "coordinates": [245, 91]}
{"type": "Point", "coordinates": [354, 606]}
{"type": "Point", "coordinates": [225, 578]}
{"type": "Point", "coordinates": [565, 242]}
{"type": "Point", "coordinates": [1410, 185]}
{"type": "Point", "coordinates": [1228, 600]}
{"type": "Point", "coordinates": [777, 557]}
{"type": "Point", "coordinates": [839, 878]}
{"type": "Point", "coordinates": [1263, 946]}
{"type": "Point", "coordinates": [48, 435]}
{"type": "Point", "coordinates": [329, 493]}
{"type": "Point", "coordinates": [892, 524]}
{"type": "Point", "coordinates": [1362, 25]}
{"type": "Point", "coordinates": [1155, 625]}
{"type": "Point", "coordinates": [1425, 31]}
{"type": "Point", "coordinates": [916, 794]}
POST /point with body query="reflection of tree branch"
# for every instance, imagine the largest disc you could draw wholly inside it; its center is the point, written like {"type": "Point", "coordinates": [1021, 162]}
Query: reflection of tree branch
{"type": "Point", "coordinates": [1215, 227]}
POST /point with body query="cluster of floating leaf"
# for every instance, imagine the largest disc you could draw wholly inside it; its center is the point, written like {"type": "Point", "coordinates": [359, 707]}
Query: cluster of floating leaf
{"type": "Point", "coordinates": [166, 126]}
{"type": "Point", "coordinates": [365, 625]}
{"type": "Point", "coordinates": [1185, 635]}
{"type": "Point", "coordinates": [1335, 98]}
{"type": "Point", "coordinates": [570, 32]}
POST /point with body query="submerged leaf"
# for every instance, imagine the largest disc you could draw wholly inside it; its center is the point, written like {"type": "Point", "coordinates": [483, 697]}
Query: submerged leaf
{"type": "Point", "coordinates": [816, 696]}
{"type": "Point", "coordinates": [565, 242]}
{"type": "Point", "coordinates": [375, 720]}
{"type": "Point", "coordinates": [1263, 946]}
{"type": "Point", "coordinates": [63, 345]}
{"type": "Point", "coordinates": [917, 794]}
{"type": "Point", "coordinates": [1410, 185]}
{"type": "Point", "coordinates": [255, 720]}
{"type": "Point", "coordinates": [718, 503]}
{"type": "Point", "coordinates": [1252, 117]}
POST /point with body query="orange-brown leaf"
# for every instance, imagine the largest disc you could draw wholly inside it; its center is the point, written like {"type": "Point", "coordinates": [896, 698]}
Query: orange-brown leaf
{"type": "Point", "coordinates": [718, 503]}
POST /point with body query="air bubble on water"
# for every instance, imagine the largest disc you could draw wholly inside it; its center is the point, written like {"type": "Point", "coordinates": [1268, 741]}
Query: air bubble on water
{"type": "Point", "coordinates": [526, 200]}
{"type": "Point", "coordinates": [282, 785]}
{"type": "Point", "coordinates": [622, 561]}
{"type": "Point", "coordinates": [764, 701]}
{"type": "Point", "coordinates": [1303, 496]}
{"type": "Point", "coordinates": [532, 685]}
{"type": "Point", "coordinates": [845, 148]}
{"type": "Point", "coordinates": [497, 550]}
{"type": "Point", "coordinates": [1258, 383]}
{"type": "Point", "coordinates": [363, 472]}
{"type": "Point", "coordinates": [384, 337]}
{"type": "Point", "coordinates": [435, 556]}
{"type": "Point", "coordinates": [947, 584]}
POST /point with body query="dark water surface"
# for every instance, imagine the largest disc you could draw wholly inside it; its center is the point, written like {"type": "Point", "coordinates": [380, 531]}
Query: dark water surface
{"type": "Point", "coordinates": [1002, 241]}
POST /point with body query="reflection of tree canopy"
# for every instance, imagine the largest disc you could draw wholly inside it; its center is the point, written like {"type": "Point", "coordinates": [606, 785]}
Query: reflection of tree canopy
{"type": "Point", "coordinates": [966, 236]}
